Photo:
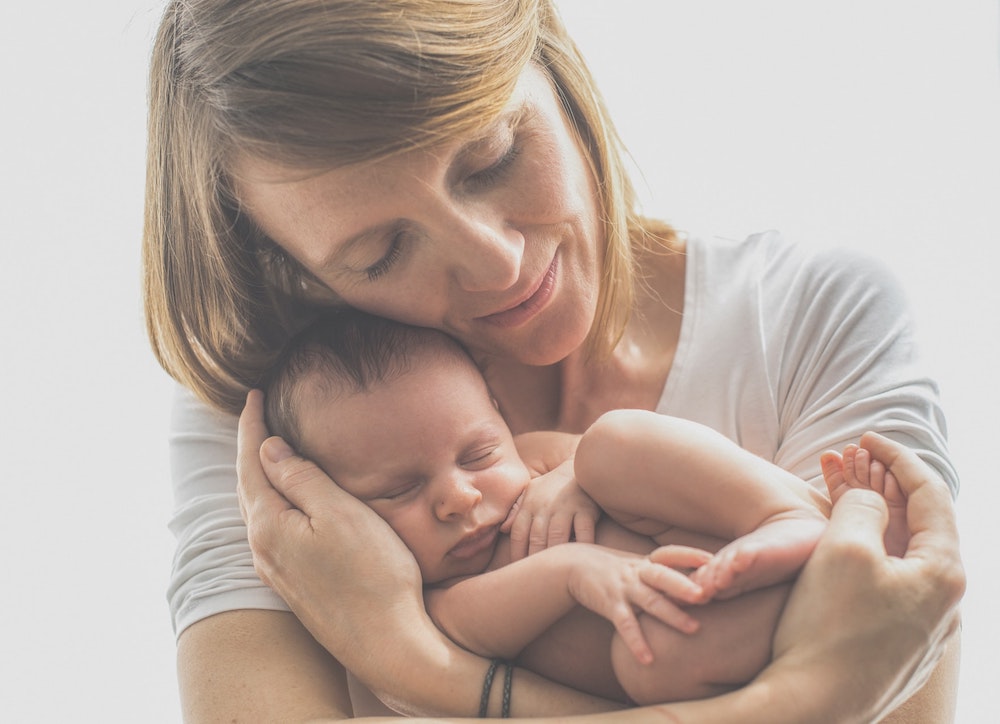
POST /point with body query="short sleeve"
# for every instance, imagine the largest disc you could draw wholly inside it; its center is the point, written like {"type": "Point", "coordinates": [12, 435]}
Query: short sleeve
{"type": "Point", "coordinates": [847, 362]}
{"type": "Point", "coordinates": [213, 567]}
{"type": "Point", "coordinates": [791, 352]}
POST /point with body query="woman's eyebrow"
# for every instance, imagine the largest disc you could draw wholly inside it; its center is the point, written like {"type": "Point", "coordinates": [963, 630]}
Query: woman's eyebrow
{"type": "Point", "coordinates": [508, 120]}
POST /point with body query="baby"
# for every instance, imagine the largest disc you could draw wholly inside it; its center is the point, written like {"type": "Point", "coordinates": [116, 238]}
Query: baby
{"type": "Point", "coordinates": [402, 419]}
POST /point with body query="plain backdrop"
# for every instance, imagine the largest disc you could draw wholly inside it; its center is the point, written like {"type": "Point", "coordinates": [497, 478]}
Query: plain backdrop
{"type": "Point", "coordinates": [851, 124]}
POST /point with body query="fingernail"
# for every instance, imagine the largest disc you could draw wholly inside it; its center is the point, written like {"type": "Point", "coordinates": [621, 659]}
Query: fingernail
{"type": "Point", "coordinates": [275, 449]}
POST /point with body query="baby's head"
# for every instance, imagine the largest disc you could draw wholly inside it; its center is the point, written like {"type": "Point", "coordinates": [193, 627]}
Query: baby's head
{"type": "Point", "coordinates": [402, 419]}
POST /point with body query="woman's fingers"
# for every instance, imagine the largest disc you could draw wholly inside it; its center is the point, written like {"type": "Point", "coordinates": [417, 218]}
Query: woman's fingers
{"type": "Point", "coordinates": [902, 609]}
{"type": "Point", "coordinates": [930, 514]}
{"type": "Point", "coordinates": [300, 481]}
{"type": "Point", "coordinates": [254, 489]}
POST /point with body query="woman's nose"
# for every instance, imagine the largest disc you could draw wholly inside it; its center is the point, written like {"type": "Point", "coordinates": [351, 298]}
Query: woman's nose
{"type": "Point", "coordinates": [455, 497]}
{"type": "Point", "coordinates": [484, 255]}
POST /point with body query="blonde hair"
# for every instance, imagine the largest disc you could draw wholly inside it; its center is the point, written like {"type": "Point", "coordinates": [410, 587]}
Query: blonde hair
{"type": "Point", "coordinates": [318, 83]}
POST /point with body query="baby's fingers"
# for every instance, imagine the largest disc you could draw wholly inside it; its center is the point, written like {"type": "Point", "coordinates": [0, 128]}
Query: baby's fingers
{"type": "Point", "coordinates": [668, 582]}
{"type": "Point", "coordinates": [677, 556]}
{"type": "Point", "coordinates": [584, 527]}
{"type": "Point", "coordinates": [666, 611]}
{"type": "Point", "coordinates": [560, 529]}
{"type": "Point", "coordinates": [520, 531]}
{"type": "Point", "coordinates": [627, 626]}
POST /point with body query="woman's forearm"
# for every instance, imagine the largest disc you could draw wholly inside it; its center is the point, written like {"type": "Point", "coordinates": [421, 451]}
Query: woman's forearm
{"type": "Point", "coordinates": [255, 665]}
{"type": "Point", "coordinates": [440, 679]}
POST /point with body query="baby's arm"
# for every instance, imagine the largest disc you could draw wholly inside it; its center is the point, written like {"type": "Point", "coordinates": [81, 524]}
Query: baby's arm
{"type": "Point", "coordinates": [500, 612]}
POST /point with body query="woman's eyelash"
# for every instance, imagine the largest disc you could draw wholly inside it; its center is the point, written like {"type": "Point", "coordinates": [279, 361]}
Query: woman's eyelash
{"type": "Point", "coordinates": [483, 178]}
{"type": "Point", "coordinates": [493, 173]}
{"type": "Point", "coordinates": [383, 265]}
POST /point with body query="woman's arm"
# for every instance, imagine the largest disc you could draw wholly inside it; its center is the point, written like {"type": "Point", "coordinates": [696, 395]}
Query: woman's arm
{"type": "Point", "coordinates": [257, 666]}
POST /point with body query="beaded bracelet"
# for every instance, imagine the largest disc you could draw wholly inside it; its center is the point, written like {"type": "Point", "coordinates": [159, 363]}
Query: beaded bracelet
{"type": "Point", "coordinates": [484, 701]}
{"type": "Point", "coordinates": [508, 674]}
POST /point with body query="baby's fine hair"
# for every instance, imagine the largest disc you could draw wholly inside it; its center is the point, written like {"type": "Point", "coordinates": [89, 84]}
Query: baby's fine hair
{"type": "Point", "coordinates": [343, 352]}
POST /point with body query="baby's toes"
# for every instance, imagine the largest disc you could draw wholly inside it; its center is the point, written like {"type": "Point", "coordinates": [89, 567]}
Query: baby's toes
{"type": "Point", "coordinates": [850, 466]}
{"type": "Point", "coordinates": [832, 465]}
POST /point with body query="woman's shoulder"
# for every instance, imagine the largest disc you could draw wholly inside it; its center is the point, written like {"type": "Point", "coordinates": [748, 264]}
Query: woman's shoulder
{"type": "Point", "coordinates": [776, 268]}
{"type": "Point", "coordinates": [192, 415]}
{"type": "Point", "coordinates": [202, 447]}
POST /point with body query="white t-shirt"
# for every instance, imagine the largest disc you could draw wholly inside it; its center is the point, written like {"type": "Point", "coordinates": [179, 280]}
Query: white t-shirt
{"type": "Point", "coordinates": [785, 352]}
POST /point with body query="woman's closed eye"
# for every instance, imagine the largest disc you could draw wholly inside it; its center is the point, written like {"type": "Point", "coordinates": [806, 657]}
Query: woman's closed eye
{"type": "Point", "coordinates": [495, 172]}
{"type": "Point", "coordinates": [391, 256]}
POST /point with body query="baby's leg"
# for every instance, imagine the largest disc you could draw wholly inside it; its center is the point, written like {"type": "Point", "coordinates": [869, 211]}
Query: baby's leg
{"type": "Point", "coordinates": [731, 646]}
{"type": "Point", "coordinates": [658, 475]}
{"type": "Point", "coordinates": [772, 553]}
{"type": "Point", "coordinates": [857, 468]}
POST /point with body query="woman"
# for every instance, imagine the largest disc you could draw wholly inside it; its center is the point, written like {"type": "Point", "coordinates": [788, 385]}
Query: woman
{"type": "Point", "coordinates": [449, 164]}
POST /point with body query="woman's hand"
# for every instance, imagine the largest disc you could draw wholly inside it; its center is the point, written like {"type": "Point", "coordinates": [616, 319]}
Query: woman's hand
{"type": "Point", "coordinates": [340, 568]}
{"type": "Point", "coordinates": [856, 609]}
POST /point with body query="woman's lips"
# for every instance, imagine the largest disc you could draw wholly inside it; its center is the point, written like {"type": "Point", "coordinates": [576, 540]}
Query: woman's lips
{"type": "Point", "coordinates": [534, 303]}
{"type": "Point", "coordinates": [476, 543]}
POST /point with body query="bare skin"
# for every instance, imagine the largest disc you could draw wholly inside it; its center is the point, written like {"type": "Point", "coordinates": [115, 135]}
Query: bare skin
{"type": "Point", "coordinates": [768, 519]}
{"type": "Point", "coordinates": [858, 468]}
{"type": "Point", "coordinates": [927, 584]}
{"type": "Point", "coordinates": [566, 391]}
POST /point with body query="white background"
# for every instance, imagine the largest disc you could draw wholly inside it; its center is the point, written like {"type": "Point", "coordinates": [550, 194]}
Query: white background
{"type": "Point", "coordinates": [864, 124]}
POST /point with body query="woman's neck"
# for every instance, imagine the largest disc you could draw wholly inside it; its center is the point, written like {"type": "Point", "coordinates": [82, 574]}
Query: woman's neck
{"type": "Point", "coordinates": [572, 394]}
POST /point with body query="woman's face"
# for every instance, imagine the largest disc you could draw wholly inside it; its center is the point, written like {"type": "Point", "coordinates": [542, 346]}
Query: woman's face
{"type": "Point", "coordinates": [495, 240]}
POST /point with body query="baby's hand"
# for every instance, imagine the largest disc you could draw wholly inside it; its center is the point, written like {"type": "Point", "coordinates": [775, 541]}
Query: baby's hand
{"type": "Point", "coordinates": [616, 585]}
{"type": "Point", "coordinates": [552, 510]}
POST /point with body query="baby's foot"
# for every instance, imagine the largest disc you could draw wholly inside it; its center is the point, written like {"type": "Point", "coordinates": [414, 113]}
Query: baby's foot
{"type": "Point", "coordinates": [773, 553]}
{"type": "Point", "coordinates": [856, 468]}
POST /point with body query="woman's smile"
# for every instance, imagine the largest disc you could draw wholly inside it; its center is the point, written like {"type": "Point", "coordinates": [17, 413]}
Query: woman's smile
{"type": "Point", "coordinates": [536, 301]}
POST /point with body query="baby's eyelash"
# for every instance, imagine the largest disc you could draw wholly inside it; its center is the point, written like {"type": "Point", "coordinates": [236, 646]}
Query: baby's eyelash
{"type": "Point", "coordinates": [376, 270]}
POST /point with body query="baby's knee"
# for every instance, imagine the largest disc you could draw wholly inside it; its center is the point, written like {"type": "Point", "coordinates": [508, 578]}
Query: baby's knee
{"type": "Point", "coordinates": [597, 454]}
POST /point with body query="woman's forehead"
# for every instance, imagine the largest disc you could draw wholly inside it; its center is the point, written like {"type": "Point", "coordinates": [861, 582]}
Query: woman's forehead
{"type": "Point", "coordinates": [532, 88]}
